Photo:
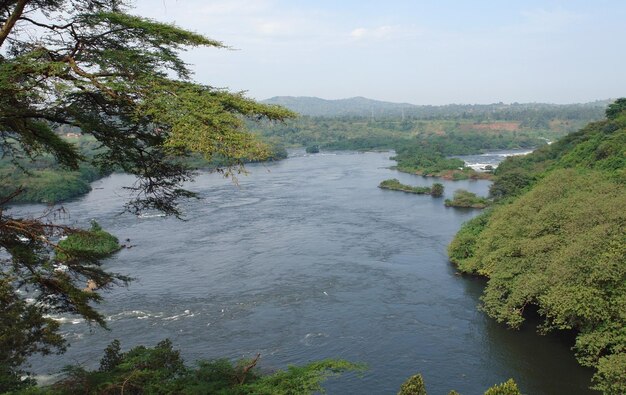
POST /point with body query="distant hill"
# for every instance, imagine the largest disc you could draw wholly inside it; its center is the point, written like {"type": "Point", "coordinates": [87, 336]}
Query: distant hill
{"type": "Point", "coordinates": [356, 106]}
{"type": "Point", "coordinates": [363, 107]}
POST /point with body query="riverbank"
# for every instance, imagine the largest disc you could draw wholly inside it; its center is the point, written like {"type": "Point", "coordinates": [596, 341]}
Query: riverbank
{"type": "Point", "coordinates": [47, 183]}
{"type": "Point", "coordinates": [554, 239]}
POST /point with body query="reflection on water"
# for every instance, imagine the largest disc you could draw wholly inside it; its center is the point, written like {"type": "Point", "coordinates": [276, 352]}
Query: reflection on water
{"type": "Point", "coordinates": [307, 259]}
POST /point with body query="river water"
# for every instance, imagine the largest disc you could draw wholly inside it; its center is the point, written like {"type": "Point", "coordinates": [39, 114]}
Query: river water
{"type": "Point", "coordinates": [307, 259]}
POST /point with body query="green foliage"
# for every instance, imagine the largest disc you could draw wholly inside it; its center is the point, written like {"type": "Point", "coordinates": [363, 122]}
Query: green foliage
{"type": "Point", "coordinates": [45, 186]}
{"type": "Point", "coordinates": [94, 243]}
{"type": "Point", "coordinates": [600, 145]}
{"type": "Point", "coordinates": [43, 180]}
{"type": "Point", "coordinates": [112, 357]}
{"type": "Point", "coordinates": [414, 385]}
{"type": "Point", "coordinates": [463, 245]}
{"type": "Point", "coordinates": [446, 136]}
{"type": "Point", "coordinates": [556, 240]}
{"type": "Point", "coordinates": [395, 185]}
{"type": "Point", "coordinates": [510, 184]}
{"type": "Point", "coordinates": [312, 149]}
{"type": "Point", "coordinates": [423, 146]}
{"type": "Point", "coordinates": [429, 154]}
{"type": "Point", "coordinates": [507, 388]}
{"type": "Point", "coordinates": [436, 190]}
{"type": "Point", "coordinates": [161, 370]}
{"type": "Point", "coordinates": [23, 331]}
{"type": "Point", "coordinates": [616, 108]}
{"type": "Point", "coordinates": [425, 161]}
{"type": "Point", "coordinates": [305, 379]}
{"type": "Point", "coordinates": [555, 246]}
{"type": "Point", "coordinates": [463, 198]}
{"type": "Point", "coordinates": [610, 377]}
{"type": "Point", "coordinates": [116, 80]}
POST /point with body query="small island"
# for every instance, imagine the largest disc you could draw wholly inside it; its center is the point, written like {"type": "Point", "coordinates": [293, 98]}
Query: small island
{"type": "Point", "coordinates": [92, 243]}
{"type": "Point", "coordinates": [312, 149]}
{"type": "Point", "coordinates": [467, 199]}
{"type": "Point", "coordinates": [395, 185]}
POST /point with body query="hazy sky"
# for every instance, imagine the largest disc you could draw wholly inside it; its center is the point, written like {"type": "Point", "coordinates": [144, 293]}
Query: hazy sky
{"type": "Point", "coordinates": [421, 52]}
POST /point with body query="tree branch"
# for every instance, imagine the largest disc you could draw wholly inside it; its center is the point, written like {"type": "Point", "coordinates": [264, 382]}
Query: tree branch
{"type": "Point", "coordinates": [244, 373]}
{"type": "Point", "coordinates": [8, 25]}
{"type": "Point", "coordinates": [51, 27]}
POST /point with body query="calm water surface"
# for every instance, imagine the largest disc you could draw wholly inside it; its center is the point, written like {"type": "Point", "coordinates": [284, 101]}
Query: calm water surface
{"type": "Point", "coordinates": [307, 259]}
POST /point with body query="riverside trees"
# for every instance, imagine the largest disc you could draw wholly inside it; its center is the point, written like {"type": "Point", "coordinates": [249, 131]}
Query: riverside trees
{"type": "Point", "coordinates": [92, 66]}
{"type": "Point", "coordinates": [556, 239]}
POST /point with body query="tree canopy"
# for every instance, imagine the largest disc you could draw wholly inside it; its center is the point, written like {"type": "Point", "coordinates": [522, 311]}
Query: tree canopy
{"type": "Point", "coordinates": [555, 240]}
{"type": "Point", "coordinates": [92, 66]}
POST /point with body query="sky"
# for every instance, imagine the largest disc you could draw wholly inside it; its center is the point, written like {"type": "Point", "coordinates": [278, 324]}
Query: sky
{"type": "Point", "coordinates": [420, 52]}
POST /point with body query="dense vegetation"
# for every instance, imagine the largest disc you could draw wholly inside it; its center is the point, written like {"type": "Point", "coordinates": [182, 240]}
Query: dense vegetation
{"type": "Point", "coordinates": [43, 180]}
{"type": "Point", "coordinates": [463, 198]}
{"type": "Point", "coordinates": [430, 154]}
{"type": "Point", "coordinates": [312, 149]}
{"type": "Point", "coordinates": [423, 140]}
{"type": "Point", "coordinates": [364, 133]}
{"type": "Point", "coordinates": [535, 115]}
{"type": "Point", "coordinates": [556, 241]}
{"type": "Point", "coordinates": [423, 146]}
{"type": "Point", "coordinates": [93, 243]}
{"type": "Point", "coordinates": [395, 185]}
{"type": "Point", "coordinates": [415, 385]}
{"type": "Point", "coordinates": [161, 370]}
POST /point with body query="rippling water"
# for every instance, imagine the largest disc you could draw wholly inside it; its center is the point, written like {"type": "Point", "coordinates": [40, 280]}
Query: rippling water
{"type": "Point", "coordinates": [307, 259]}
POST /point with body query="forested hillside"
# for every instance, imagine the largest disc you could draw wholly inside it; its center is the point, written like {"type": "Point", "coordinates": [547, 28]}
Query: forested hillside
{"type": "Point", "coordinates": [370, 130]}
{"type": "Point", "coordinates": [557, 241]}
{"type": "Point", "coordinates": [362, 107]}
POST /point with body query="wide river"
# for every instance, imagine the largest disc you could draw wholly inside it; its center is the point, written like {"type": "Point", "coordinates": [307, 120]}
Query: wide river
{"type": "Point", "coordinates": [307, 259]}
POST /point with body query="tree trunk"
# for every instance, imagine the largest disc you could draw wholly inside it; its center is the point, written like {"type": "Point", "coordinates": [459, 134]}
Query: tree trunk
{"type": "Point", "coordinates": [8, 25]}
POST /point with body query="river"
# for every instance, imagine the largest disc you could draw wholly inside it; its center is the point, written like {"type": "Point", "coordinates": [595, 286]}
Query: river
{"type": "Point", "coordinates": [307, 259]}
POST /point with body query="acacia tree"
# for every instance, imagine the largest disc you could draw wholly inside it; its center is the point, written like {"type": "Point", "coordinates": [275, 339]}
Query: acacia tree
{"type": "Point", "coordinates": [91, 65]}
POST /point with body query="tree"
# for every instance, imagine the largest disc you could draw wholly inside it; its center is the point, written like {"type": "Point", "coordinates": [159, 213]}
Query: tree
{"type": "Point", "coordinates": [436, 190]}
{"type": "Point", "coordinates": [616, 108]}
{"type": "Point", "coordinates": [510, 183]}
{"type": "Point", "coordinates": [414, 385]}
{"type": "Point", "coordinates": [90, 65]}
{"type": "Point", "coordinates": [161, 370]}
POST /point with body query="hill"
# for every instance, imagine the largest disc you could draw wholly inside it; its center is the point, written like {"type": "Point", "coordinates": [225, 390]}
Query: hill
{"type": "Point", "coordinates": [355, 106]}
{"type": "Point", "coordinates": [363, 107]}
{"type": "Point", "coordinates": [556, 243]}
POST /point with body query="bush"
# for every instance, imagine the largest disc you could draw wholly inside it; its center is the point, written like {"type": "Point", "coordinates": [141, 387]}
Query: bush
{"type": "Point", "coordinates": [463, 198]}
{"type": "Point", "coordinates": [395, 185]}
{"type": "Point", "coordinates": [436, 190]}
{"type": "Point", "coordinates": [161, 370]}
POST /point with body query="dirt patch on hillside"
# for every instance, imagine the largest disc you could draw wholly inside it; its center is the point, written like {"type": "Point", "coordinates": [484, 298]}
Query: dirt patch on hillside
{"type": "Point", "coordinates": [493, 126]}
